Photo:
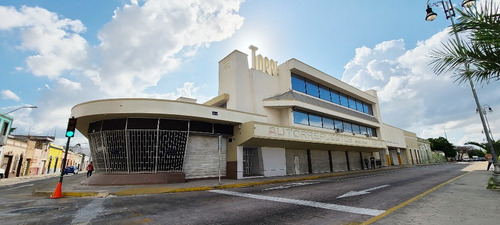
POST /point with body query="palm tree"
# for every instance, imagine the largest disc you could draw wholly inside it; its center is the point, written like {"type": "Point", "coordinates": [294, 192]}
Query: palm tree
{"type": "Point", "coordinates": [486, 146]}
{"type": "Point", "coordinates": [482, 26]}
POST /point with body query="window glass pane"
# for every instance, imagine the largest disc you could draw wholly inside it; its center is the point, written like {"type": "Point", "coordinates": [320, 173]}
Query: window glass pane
{"type": "Point", "coordinates": [365, 108]}
{"type": "Point", "coordinates": [359, 106]}
{"type": "Point", "coordinates": [355, 129]}
{"type": "Point", "coordinates": [95, 127]}
{"type": "Point", "coordinates": [324, 93]}
{"type": "Point", "coordinates": [201, 126]}
{"type": "Point", "coordinates": [312, 88]}
{"type": "Point", "coordinates": [363, 130]}
{"type": "Point", "coordinates": [223, 129]}
{"type": "Point", "coordinates": [347, 127]}
{"type": "Point", "coordinates": [298, 84]}
{"type": "Point", "coordinates": [343, 100]}
{"type": "Point", "coordinates": [300, 118]}
{"type": "Point", "coordinates": [335, 97]}
{"type": "Point", "coordinates": [352, 103]}
{"type": "Point", "coordinates": [114, 124]}
{"type": "Point", "coordinates": [142, 123]}
{"type": "Point", "coordinates": [167, 124]}
{"type": "Point", "coordinates": [327, 123]}
{"type": "Point", "coordinates": [338, 125]}
{"type": "Point", "coordinates": [315, 120]}
{"type": "Point", "coordinates": [370, 111]}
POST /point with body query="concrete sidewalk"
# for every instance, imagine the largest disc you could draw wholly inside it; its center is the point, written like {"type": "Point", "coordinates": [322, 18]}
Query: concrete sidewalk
{"type": "Point", "coordinates": [463, 200]}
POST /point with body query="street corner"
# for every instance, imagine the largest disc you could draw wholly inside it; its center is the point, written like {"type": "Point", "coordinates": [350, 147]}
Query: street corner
{"type": "Point", "coordinates": [49, 194]}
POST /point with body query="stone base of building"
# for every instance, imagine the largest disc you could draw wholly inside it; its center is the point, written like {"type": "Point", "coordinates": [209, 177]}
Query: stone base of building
{"type": "Point", "coordinates": [101, 179]}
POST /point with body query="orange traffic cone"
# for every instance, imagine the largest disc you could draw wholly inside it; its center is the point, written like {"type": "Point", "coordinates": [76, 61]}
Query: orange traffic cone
{"type": "Point", "coordinates": [57, 192]}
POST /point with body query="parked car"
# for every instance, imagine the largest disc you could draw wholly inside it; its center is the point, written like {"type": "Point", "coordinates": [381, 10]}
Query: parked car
{"type": "Point", "coordinates": [71, 169]}
{"type": "Point", "coordinates": [2, 172]}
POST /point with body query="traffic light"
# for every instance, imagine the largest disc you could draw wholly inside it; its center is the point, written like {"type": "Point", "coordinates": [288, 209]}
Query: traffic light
{"type": "Point", "coordinates": [70, 131]}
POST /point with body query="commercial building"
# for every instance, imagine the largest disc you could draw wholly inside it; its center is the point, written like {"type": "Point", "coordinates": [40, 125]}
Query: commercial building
{"type": "Point", "coordinates": [268, 120]}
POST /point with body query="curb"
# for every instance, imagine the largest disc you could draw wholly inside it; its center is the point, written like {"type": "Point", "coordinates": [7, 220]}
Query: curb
{"type": "Point", "coordinates": [162, 190]}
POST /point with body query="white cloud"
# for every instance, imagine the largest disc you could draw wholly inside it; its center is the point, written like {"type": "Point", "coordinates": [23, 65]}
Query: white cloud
{"type": "Point", "coordinates": [69, 85]}
{"type": "Point", "coordinates": [56, 41]}
{"type": "Point", "coordinates": [8, 94]}
{"type": "Point", "coordinates": [142, 43]}
{"type": "Point", "coordinates": [188, 90]}
{"type": "Point", "coordinates": [412, 97]}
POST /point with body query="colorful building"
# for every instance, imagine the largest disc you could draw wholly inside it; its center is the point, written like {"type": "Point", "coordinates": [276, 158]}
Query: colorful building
{"type": "Point", "coordinates": [54, 159]}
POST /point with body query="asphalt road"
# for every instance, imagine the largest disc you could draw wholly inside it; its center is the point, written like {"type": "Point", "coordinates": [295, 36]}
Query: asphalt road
{"type": "Point", "coordinates": [336, 200]}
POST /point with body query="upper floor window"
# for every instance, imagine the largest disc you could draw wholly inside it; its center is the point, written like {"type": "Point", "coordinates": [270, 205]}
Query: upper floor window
{"type": "Point", "coordinates": [317, 90]}
{"type": "Point", "coordinates": [5, 127]}
{"type": "Point", "coordinates": [343, 100]}
{"type": "Point", "coordinates": [324, 93]}
{"type": "Point", "coordinates": [335, 97]}
{"type": "Point", "coordinates": [312, 88]}
{"type": "Point", "coordinates": [300, 118]}
{"type": "Point", "coordinates": [311, 119]}
{"type": "Point", "coordinates": [299, 84]}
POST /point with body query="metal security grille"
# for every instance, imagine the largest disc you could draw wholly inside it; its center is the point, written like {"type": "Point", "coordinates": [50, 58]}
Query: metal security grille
{"type": "Point", "coordinates": [171, 151]}
{"type": "Point", "coordinates": [249, 156]}
{"type": "Point", "coordinates": [139, 151]}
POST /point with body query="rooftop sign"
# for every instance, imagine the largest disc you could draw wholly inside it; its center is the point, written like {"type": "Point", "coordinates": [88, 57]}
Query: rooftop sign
{"type": "Point", "coordinates": [263, 63]}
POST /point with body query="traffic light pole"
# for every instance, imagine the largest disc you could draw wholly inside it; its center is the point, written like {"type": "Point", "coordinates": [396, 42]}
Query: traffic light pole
{"type": "Point", "coordinates": [70, 132]}
{"type": "Point", "coordinates": [64, 161]}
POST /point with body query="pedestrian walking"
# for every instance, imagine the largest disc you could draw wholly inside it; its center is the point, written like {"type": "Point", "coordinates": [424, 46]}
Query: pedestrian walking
{"type": "Point", "coordinates": [489, 158]}
{"type": "Point", "coordinates": [90, 168]}
{"type": "Point", "coordinates": [366, 162]}
{"type": "Point", "coordinates": [372, 162]}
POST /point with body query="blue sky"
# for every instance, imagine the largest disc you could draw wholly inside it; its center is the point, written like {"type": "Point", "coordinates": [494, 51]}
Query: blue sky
{"type": "Point", "coordinates": [56, 54]}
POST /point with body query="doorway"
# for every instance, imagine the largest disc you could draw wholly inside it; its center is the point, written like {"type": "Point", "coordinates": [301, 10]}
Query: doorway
{"type": "Point", "coordinates": [250, 162]}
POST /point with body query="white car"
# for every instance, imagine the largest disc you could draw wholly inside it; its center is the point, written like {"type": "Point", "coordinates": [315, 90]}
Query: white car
{"type": "Point", "coordinates": [2, 173]}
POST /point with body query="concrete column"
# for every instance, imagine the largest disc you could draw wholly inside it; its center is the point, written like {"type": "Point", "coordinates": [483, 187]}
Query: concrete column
{"type": "Point", "coordinates": [399, 156]}
{"type": "Point", "coordinates": [388, 157]}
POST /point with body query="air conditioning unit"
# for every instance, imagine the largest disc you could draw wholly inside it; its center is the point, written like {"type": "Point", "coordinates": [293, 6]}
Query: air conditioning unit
{"type": "Point", "coordinates": [338, 130]}
{"type": "Point", "coordinates": [368, 135]}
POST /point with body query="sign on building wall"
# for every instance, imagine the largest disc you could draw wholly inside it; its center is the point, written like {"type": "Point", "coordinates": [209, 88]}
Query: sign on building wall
{"type": "Point", "coordinates": [295, 134]}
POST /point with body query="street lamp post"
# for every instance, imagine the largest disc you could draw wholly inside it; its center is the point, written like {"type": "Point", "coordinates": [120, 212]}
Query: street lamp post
{"type": "Point", "coordinates": [23, 107]}
{"type": "Point", "coordinates": [485, 110]}
{"type": "Point", "coordinates": [449, 11]}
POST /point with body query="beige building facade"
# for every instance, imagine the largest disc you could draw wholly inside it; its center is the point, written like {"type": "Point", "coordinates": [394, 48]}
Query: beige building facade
{"type": "Point", "coordinates": [268, 119]}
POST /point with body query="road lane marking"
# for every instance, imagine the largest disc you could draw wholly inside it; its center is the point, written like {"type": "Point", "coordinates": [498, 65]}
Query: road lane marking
{"type": "Point", "coordinates": [362, 192]}
{"type": "Point", "coordinates": [285, 186]}
{"type": "Point", "coordinates": [343, 208]}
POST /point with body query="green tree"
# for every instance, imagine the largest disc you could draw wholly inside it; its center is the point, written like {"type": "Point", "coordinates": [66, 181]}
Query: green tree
{"type": "Point", "coordinates": [481, 26]}
{"type": "Point", "coordinates": [442, 144]}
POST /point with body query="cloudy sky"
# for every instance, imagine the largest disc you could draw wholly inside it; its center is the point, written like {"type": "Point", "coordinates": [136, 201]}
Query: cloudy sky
{"type": "Point", "coordinates": [56, 54]}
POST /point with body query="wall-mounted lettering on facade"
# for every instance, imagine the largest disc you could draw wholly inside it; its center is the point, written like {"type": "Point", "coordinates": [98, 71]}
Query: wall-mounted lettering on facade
{"type": "Point", "coordinates": [295, 134]}
{"type": "Point", "coordinates": [263, 63]}
{"type": "Point", "coordinates": [226, 63]}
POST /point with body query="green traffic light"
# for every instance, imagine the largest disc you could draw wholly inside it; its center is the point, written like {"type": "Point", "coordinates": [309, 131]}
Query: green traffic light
{"type": "Point", "coordinates": [70, 133]}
